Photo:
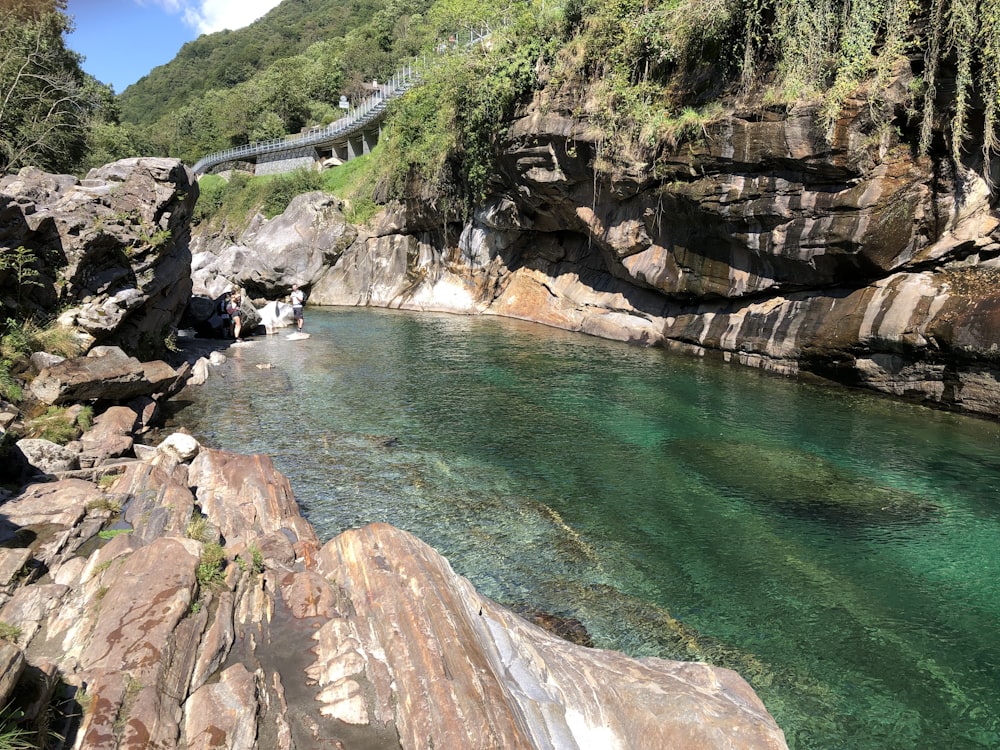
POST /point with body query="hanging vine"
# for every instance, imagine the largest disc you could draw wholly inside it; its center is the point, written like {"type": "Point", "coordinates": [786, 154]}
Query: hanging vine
{"type": "Point", "coordinates": [988, 43]}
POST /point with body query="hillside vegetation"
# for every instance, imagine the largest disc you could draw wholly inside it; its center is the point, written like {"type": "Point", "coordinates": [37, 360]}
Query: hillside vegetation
{"type": "Point", "coordinates": [654, 72]}
{"type": "Point", "coordinates": [227, 58]}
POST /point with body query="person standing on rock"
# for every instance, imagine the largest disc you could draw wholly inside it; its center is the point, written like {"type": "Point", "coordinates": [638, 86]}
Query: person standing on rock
{"type": "Point", "coordinates": [236, 314]}
{"type": "Point", "coordinates": [298, 299]}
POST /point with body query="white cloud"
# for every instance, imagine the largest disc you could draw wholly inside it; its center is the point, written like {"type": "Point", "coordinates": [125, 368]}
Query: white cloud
{"type": "Point", "coordinates": [206, 16]}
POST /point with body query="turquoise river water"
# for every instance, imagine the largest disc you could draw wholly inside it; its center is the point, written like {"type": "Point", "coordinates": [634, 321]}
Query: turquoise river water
{"type": "Point", "coordinates": [838, 549]}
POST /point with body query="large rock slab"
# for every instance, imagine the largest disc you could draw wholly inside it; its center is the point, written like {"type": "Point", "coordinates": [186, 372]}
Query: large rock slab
{"type": "Point", "coordinates": [107, 373]}
{"type": "Point", "coordinates": [43, 517]}
{"type": "Point", "coordinates": [465, 672]}
{"type": "Point", "coordinates": [129, 641]}
{"type": "Point", "coordinates": [223, 714]}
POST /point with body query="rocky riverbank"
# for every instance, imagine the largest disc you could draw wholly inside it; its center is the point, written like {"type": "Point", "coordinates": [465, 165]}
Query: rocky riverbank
{"type": "Point", "coordinates": [172, 595]}
{"type": "Point", "coordinates": [774, 240]}
{"type": "Point", "coordinates": [177, 598]}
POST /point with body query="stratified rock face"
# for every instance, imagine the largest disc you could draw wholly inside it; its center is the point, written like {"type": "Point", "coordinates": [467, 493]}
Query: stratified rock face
{"type": "Point", "coordinates": [113, 249]}
{"type": "Point", "coordinates": [485, 678]}
{"type": "Point", "coordinates": [371, 642]}
{"type": "Point", "coordinates": [764, 242]}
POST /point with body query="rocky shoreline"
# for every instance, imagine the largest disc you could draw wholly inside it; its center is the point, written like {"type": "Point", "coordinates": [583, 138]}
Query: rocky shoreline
{"type": "Point", "coordinates": [178, 598]}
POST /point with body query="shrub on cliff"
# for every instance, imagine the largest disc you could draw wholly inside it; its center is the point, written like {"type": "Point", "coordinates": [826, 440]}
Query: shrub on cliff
{"type": "Point", "coordinates": [655, 73]}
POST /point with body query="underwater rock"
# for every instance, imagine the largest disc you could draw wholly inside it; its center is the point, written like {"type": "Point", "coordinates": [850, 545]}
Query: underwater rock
{"type": "Point", "coordinates": [800, 482]}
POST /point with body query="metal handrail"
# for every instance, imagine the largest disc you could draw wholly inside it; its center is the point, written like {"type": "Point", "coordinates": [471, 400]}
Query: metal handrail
{"type": "Point", "coordinates": [371, 108]}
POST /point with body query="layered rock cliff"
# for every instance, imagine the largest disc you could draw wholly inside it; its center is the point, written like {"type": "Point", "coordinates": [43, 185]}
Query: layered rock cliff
{"type": "Point", "coordinates": [770, 241]}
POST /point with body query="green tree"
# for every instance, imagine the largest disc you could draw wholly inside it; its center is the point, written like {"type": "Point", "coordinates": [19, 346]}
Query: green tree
{"type": "Point", "coordinates": [45, 102]}
{"type": "Point", "coordinates": [108, 139]}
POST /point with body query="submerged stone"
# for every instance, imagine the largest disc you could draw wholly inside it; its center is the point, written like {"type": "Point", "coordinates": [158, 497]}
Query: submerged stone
{"type": "Point", "coordinates": [798, 481]}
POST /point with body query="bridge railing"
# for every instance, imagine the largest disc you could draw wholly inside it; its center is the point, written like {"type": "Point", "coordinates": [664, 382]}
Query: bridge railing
{"type": "Point", "coordinates": [356, 118]}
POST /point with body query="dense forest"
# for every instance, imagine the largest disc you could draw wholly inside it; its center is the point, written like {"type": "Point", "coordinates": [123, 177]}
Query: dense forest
{"type": "Point", "coordinates": [655, 72]}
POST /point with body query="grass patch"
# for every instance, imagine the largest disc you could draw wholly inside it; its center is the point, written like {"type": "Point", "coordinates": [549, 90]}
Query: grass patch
{"type": "Point", "coordinates": [10, 389]}
{"type": "Point", "coordinates": [199, 529]}
{"type": "Point", "coordinates": [21, 338]}
{"type": "Point", "coordinates": [112, 533]}
{"type": "Point", "coordinates": [58, 425]}
{"type": "Point", "coordinates": [11, 633]}
{"type": "Point", "coordinates": [106, 480]}
{"type": "Point", "coordinates": [18, 340]}
{"type": "Point", "coordinates": [101, 567]}
{"type": "Point", "coordinates": [12, 735]}
{"type": "Point", "coordinates": [211, 569]}
{"type": "Point", "coordinates": [252, 561]}
{"type": "Point", "coordinates": [355, 182]}
{"type": "Point", "coordinates": [109, 504]}
{"type": "Point", "coordinates": [233, 202]}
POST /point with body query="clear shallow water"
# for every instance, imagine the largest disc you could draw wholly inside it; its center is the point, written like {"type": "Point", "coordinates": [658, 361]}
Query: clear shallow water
{"type": "Point", "coordinates": [841, 551]}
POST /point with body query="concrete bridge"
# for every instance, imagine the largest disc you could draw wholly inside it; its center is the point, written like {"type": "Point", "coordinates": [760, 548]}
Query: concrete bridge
{"type": "Point", "coordinates": [353, 135]}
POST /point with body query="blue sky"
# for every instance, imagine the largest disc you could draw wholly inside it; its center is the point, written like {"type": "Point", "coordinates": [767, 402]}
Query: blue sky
{"type": "Point", "coordinates": [122, 40]}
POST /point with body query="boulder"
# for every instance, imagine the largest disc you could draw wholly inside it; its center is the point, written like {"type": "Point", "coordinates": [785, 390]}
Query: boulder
{"type": "Point", "coordinates": [106, 374]}
{"type": "Point", "coordinates": [110, 437]}
{"type": "Point", "coordinates": [244, 496]}
{"type": "Point", "coordinates": [44, 517]}
{"type": "Point", "coordinates": [223, 714]}
{"type": "Point", "coordinates": [148, 409]}
{"type": "Point", "coordinates": [181, 445]}
{"type": "Point", "coordinates": [295, 247]}
{"type": "Point", "coordinates": [48, 457]}
{"type": "Point", "coordinates": [113, 248]}
{"type": "Point", "coordinates": [8, 415]}
{"type": "Point", "coordinates": [199, 372]}
{"type": "Point", "coordinates": [275, 315]}
{"type": "Point", "coordinates": [41, 360]}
